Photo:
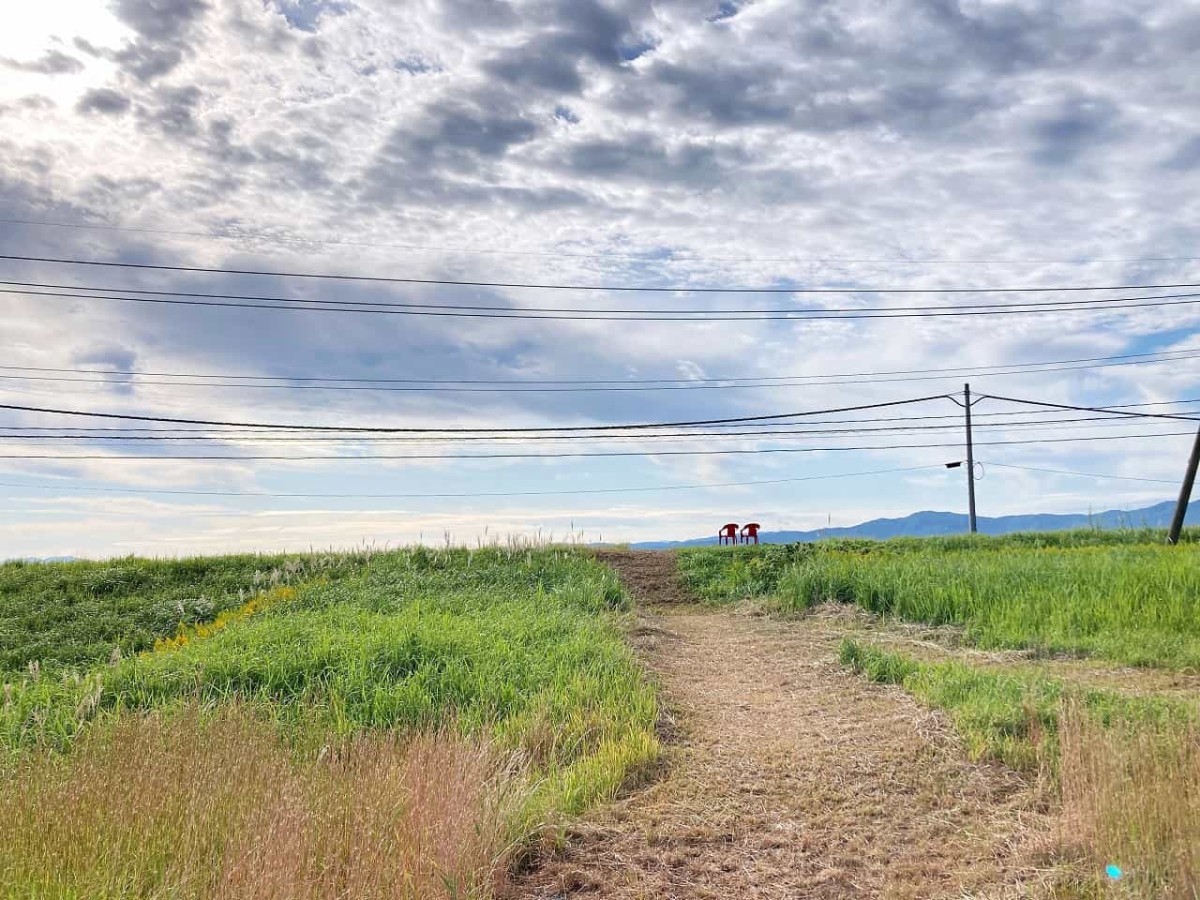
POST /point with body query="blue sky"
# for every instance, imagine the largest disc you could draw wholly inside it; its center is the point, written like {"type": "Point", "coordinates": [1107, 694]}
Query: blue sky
{"type": "Point", "coordinates": [921, 143]}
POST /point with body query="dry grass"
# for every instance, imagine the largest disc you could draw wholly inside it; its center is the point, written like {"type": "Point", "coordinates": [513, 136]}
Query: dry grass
{"type": "Point", "coordinates": [192, 806]}
{"type": "Point", "coordinates": [788, 777]}
{"type": "Point", "coordinates": [1131, 798]}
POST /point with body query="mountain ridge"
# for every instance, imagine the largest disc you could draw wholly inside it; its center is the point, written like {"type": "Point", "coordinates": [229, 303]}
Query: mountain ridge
{"type": "Point", "coordinates": [932, 523]}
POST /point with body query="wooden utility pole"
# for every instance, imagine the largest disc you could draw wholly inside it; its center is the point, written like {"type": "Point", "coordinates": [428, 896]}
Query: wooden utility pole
{"type": "Point", "coordinates": [971, 460]}
{"type": "Point", "coordinates": [1185, 493]}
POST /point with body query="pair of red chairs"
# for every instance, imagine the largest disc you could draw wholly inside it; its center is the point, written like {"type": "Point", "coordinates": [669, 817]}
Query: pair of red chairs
{"type": "Point", "coordinates": [729, 533]}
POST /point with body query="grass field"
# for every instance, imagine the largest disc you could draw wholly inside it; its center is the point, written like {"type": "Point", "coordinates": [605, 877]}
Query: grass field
{"type": "Point", "coordinates": [509, 663]}
{"type": "Point", "coordinates": [71, 615]}
{"type": "Point", "coordinates": [412, 723]}
{"type": "Point", "coordinates": [1125, 768]}
{"type": "Point", "coordinates": [1117, 595]}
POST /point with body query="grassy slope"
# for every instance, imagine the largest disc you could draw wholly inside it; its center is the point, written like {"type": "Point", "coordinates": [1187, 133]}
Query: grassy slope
{"type": "Point", "coordinates": [1102, 593]}
{"type": "Point", "coordinates": [517, 647]}
{"type": "Point", "coordinates": [73, 615]}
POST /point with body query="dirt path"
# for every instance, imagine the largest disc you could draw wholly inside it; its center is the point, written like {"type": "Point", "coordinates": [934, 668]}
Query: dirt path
{"type": "Point", "coordinates": [790, 777]}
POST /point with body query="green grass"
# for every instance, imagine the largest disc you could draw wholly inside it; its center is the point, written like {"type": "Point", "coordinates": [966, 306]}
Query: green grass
{"type": "Point", "coordinates": [1006, 715]}
{"type": "Point", "coordinates": [74, 615]}
{"type": "Point", "coordinates": [1126, 768]}
{"type": "Point", "coordinates": [519, 647]}
{"type": "Point", "coordinates": [1089, 593]}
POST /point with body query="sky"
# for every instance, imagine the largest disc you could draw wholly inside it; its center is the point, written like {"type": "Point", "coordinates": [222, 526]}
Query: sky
{"type": "Point", "coordinates": [668, 145]}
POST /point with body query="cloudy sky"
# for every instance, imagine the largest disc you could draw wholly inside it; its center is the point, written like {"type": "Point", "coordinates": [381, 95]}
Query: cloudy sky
{"type": "Point", "coordinates": [917, 144]}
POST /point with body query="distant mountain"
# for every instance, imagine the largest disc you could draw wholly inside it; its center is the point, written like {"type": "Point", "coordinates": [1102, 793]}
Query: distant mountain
{"type": "Point", "coordinates": [931, 524]}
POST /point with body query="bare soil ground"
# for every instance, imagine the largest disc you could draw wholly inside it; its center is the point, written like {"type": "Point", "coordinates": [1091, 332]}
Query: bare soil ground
{"type": "Point", "coordinates": [789, 777]}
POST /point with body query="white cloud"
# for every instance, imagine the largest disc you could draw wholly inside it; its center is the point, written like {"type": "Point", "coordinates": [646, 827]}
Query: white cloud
{"type": "Point", "coordinates": [847, 144]}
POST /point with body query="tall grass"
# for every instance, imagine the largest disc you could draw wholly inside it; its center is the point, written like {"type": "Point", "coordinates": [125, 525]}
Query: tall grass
{"type": "Point", "coordinates": [1128, 768]}
{"type": "Point", "coordinates": [517, 650]}
{"type": "Point", "coordinates": [1134, 603]}
{"type": "Point", "coordinates": [1008, 715]}
{"type": "Point", "coordinates": [191, 806]}
{"type": "Point", "coordinates": [1131, 798]}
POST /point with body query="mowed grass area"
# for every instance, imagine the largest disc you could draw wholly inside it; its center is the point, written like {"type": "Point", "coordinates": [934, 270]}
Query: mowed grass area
{"type": "Point", "coordinates": [510, 663]}
{"type": "Point", "coordinates": [1122, 596]}
{"type": "Point", "coordinates": [1127, 769]}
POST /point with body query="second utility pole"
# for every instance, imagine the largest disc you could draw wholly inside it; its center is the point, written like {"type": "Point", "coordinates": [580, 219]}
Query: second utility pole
{"type": "Point", "coordinates": [970, 459]}
{"type": "Point", "coordinates": [1185, 493]}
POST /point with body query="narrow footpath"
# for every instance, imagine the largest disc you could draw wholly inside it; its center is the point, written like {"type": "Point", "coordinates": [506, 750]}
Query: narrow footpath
{"type": "Point", "coordinates": [790, 777]}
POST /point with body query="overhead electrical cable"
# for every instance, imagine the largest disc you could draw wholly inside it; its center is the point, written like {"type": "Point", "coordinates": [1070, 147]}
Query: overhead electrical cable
{"type": "Point", "coordinates": [812, 314]}
{"type": "Point", "coordinates": [389, 496]}
{"type": "Point", "coordinates": [368, 457]}
{"type": "Point", "coordinates": [664, 289]}
{"type": "Point", "coordinates": [457, 430]}
{"type": "Point", "coordinates": [980, 418]}
{"type": "Point", "coordinates": [884, 430]}
{"type": "Point", "coordinates": [179, 379]}
{"type": "Point", "coordinates": [1081, 474]}
{"type": "Point", "coordinates": [1095, 409]}
{"type": "Point", "coordinates": [595, 381]}
{"type": "Point", "coordinates": [251, 235]}
{"type": "Point", "coordinates": [96, 292]}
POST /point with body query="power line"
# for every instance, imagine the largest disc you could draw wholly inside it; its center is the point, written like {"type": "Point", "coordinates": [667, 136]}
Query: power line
{"type": "Point", "coordinates": [552, 493]}
{"type": "Point", "coordinates": [183, 379]}
{"type": "Point", "coordinates": [256, 433]}
{"type": "Point", "coordinates": [565, 455]}
{"type": "Point", "coordinates": [887, 430]}
{"type": "Point", "coordinates": [53, 289]}
{"type": "Point", "coordinates": [586, 315]}
{"type": "Point", "coordinates": [212, 270]}
{"type": "Point", "coordinates": [203, 432]}
{"type": "Point", "coordinates": [1096, 409]}
{"type": "Point", "coordinates": [561, 254]}
{"type": "Point", "coordinates": [411, 430]}
{"type": "Point", "coordinates": [589, 381]}
{"type": "Point", "coordinates": [1081, 474]}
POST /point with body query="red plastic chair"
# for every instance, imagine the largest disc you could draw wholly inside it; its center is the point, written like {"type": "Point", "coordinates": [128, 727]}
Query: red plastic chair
{"type": "Point", "coordinates": [728, 534]}
{"type": "Point", "coordinates": [750, 531]}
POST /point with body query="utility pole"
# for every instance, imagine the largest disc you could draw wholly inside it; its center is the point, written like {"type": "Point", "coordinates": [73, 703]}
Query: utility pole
{"type": "Point", "coordinates": [1185, 493]}
{"type": "Point", "coordinates": [971, 460]}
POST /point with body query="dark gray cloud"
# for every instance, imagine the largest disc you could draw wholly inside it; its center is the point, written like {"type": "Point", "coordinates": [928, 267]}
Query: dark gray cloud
{"type": "Point", "coordinates": [584, 31]}
{"type": "Point", "coordinates": [110, 358]}
{"type": "Point", "coordinates": [52, 62]}
{"type": "Point", "coordinates": [927, 66]}
{"type": "Point", "coordinates": [643, 157]}
{"type": "Point", "coordinates": [106, 192]}
{"type": "Point", "coordinates": [1079, 125]}
{"type": "Point", "coordinates": [449, 149]}
{"type": "Point", "coordinates": [164, 29]}
{"type": "Point", "coordinates": [171, 110]}
{"type": "Point", "coordinates": [160, 21]}
{"type": "Point", "coordinates": [1186, 156]}
{"type": "Point", "coordinates": [726, 9]}
{"type": "Point", "coordinates": [223, 146]}
{"type": "Point", "coordinates": [414, 64]}
{"type": "Point", "coordinates": [146, 61]}
{"type": "Point", "coordinates": [103, 100]}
